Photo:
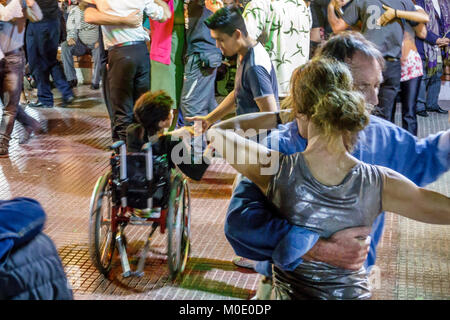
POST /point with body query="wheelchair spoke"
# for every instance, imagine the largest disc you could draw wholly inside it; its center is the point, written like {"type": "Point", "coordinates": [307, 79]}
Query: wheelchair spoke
{"type": "Point", "coordinates": [105, 246]}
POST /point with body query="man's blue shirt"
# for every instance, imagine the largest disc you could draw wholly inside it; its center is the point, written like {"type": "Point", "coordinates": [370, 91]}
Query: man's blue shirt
{"type": "Point", "coordinates": [256, 233]}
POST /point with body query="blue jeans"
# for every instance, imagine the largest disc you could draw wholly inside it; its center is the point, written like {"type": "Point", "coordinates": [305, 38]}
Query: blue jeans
{"type": "Point", "coordinates": [429, 90]}
{"type": "Point", "coordinates": [198, 93]}
{"type": "Point", "coordinates": [42, 40]}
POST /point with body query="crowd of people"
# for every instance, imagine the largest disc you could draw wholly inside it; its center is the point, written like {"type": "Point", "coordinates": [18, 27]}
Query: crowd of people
{"type": "Point", "coordinates": [337, 69]}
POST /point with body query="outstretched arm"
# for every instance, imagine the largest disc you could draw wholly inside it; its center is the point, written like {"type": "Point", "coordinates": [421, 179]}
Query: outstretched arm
{"type": "Point", "coordinates": [403, 197]}
{"type": "Point", "coordinates": [250, 154]}
{"type": "Point", "coordinates": [255, 120]}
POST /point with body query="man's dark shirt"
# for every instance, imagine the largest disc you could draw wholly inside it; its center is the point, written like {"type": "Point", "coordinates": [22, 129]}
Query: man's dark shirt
{"type": "Point", "coordinates": [320, 16]}
{"type": "Point", "coordinates": [198, 36]}
{"type": "Point", "coordinates": [389, 38]}
{"type": "Point", "coordinates": [49, 8]}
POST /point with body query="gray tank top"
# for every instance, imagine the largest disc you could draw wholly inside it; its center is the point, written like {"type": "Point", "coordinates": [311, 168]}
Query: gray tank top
{"type": "Point", "coordinates": [306, 202]}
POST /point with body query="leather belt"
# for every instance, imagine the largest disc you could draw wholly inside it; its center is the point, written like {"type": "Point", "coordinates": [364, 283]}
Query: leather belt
{"type": "Point", "coordinates": [126, 44]}
{"type": "Point", "coordinates": [18, 50]}
{"type": "Point", "coordinates": [391, 59]}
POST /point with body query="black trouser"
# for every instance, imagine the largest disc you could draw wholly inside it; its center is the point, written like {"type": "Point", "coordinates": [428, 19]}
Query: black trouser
{"type": "Point", "coordinates": [128, 79]}
{"type": "Point", "coordinates": [388, 91]}
{"type": "Point", "coordinates": [408, 95]}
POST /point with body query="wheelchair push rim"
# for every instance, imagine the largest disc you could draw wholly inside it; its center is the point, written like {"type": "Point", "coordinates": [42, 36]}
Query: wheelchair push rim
{"type": "Point", "coordinates": [102, 239]}
{"type": "Point", "coordinates": [178, 226]}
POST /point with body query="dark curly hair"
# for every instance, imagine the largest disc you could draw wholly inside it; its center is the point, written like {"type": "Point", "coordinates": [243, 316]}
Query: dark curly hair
{"type": "Point", "coordinates": [151, 108]}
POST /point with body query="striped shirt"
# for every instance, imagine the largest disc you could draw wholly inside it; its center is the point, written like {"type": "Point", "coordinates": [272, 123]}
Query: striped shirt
{"type": "Point", "coordinates": [77, 28]}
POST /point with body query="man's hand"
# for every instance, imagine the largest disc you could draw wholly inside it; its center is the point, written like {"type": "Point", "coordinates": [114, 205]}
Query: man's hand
{"type": "Point", "coordinates": [166, 10]}
{"type": "Point", "coordinates": [71, 42]}
{"type": "Point", "coordinates": [442, 42]}
{"type": "Point", "coordinates": [133, 20]}
{"type": "Point", "coordinates": [344, 249]}
{"type": "Point", "coordinates": [213, 5]}
{"type": "Point", "coordinates": [30, 3]}
{"type": "Point", "coordinates": [201, 123]}
{"type": "Point", "coordinates": [387, 16]}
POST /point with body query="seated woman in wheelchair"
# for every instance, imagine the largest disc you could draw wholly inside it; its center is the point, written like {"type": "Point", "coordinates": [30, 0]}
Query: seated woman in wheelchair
{"type": "Point", "coordinates": [153, 114]}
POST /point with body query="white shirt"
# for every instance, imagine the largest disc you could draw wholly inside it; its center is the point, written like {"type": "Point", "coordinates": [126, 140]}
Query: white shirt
{"type": "Point", "coordinates": [113, 35]}
{"type": "Point", "coordinates": [283, 27]}
{"type": "Point", "coordinates": [437, 7]}
{"type": "Point", "coordinates": [13, 32]}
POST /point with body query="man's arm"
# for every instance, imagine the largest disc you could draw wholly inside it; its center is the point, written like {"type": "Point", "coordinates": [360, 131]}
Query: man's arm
{"type": "Point", "coordinates": [161, 14]}
{"type": "Point", "coordinates": [94, 16]}
{"type": "Point", "coordinates": [382, 142]}
{"type": "Point", "coordinates": [255, 232]}
{"type": "Point", "coordinates": [224, 108]}
{"type": "Point", "coordinates": [338, 24]}
{"type": "Point", "coordinates": [71, 27]}
{"type": "Point", "coordinates": [419, 17]}
{"type": "Point", "coordinates": [33, 11]}
{"type": "Point", "coordinates": [267, 103]}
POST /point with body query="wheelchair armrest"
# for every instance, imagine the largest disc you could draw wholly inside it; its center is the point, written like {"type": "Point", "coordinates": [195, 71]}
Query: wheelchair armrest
{"type": "Point", "coordinates": [117, 145]}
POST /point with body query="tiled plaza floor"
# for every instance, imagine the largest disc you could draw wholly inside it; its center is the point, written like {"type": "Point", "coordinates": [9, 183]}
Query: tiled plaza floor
{"type": "Point", "coordinates": [60, 167]}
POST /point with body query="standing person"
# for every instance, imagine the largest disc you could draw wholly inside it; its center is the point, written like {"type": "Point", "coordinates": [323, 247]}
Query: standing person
{"type": "Point", "coordinates": [166, 55]}
{"type": "Point", "coordinates": [201, 62]}
{"type": "Point", "coordinates": [11, 75]}
{"type": "Point", "coordinates": [388, 38]}
{"type": "Point", "coordinates": [256, 87]}
{"type": "Point", "coordinates": [412, 71]}
{"type": "Point", "coordinates": [434, 51]}
{"type": "Point", "coordinates": [42, 40]}
{"type": "Point", "coordinates": [82, 37]}
{"type": "Point", "coordinates": [283, 28]}
{"type": "Point", "coordinates": [128, 57]}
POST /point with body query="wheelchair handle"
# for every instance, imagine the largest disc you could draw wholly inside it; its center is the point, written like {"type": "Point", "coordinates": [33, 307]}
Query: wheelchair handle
{"type": "Point", "coordinates": [117, 145]}
{"type": "Point", "coordinates": [146, 147]}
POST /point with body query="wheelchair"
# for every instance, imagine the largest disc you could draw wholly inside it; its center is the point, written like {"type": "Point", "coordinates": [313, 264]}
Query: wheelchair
{"type": "Point", "coordinates": [140, 189]}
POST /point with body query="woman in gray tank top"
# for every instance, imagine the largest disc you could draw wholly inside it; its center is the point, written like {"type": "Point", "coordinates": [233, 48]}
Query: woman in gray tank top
{"type": "Point", "coordinates": [324, 188]}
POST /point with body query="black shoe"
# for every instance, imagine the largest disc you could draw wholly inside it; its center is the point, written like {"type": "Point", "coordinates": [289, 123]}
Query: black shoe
{"type": "Point", "coordinates": [422, 113]}
{"type": "Point", "coordinates": [73, 83]}
{"type": "Point", "coordinates": [67, 101]}
{"type": "Point", "coordinates": [95, 86]}
{"type": "Point", "coordinates": [439, 110]}
{"type": "Point", "coordinates": [39, 105]}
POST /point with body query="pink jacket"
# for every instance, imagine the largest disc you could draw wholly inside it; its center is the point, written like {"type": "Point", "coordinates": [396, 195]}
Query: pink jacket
{"type": "Point", "coordinates": [162, 38]}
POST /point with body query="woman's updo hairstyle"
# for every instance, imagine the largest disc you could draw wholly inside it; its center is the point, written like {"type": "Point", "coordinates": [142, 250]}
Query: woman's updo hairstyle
{"type": "Point", "coordinates": [322, 89]}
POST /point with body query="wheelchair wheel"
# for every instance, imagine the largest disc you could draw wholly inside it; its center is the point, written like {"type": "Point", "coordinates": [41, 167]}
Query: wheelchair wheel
{"type": "Point", "coordinates": [178, 226]}
{"type": "Point", "coordinates": [102, 240]}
